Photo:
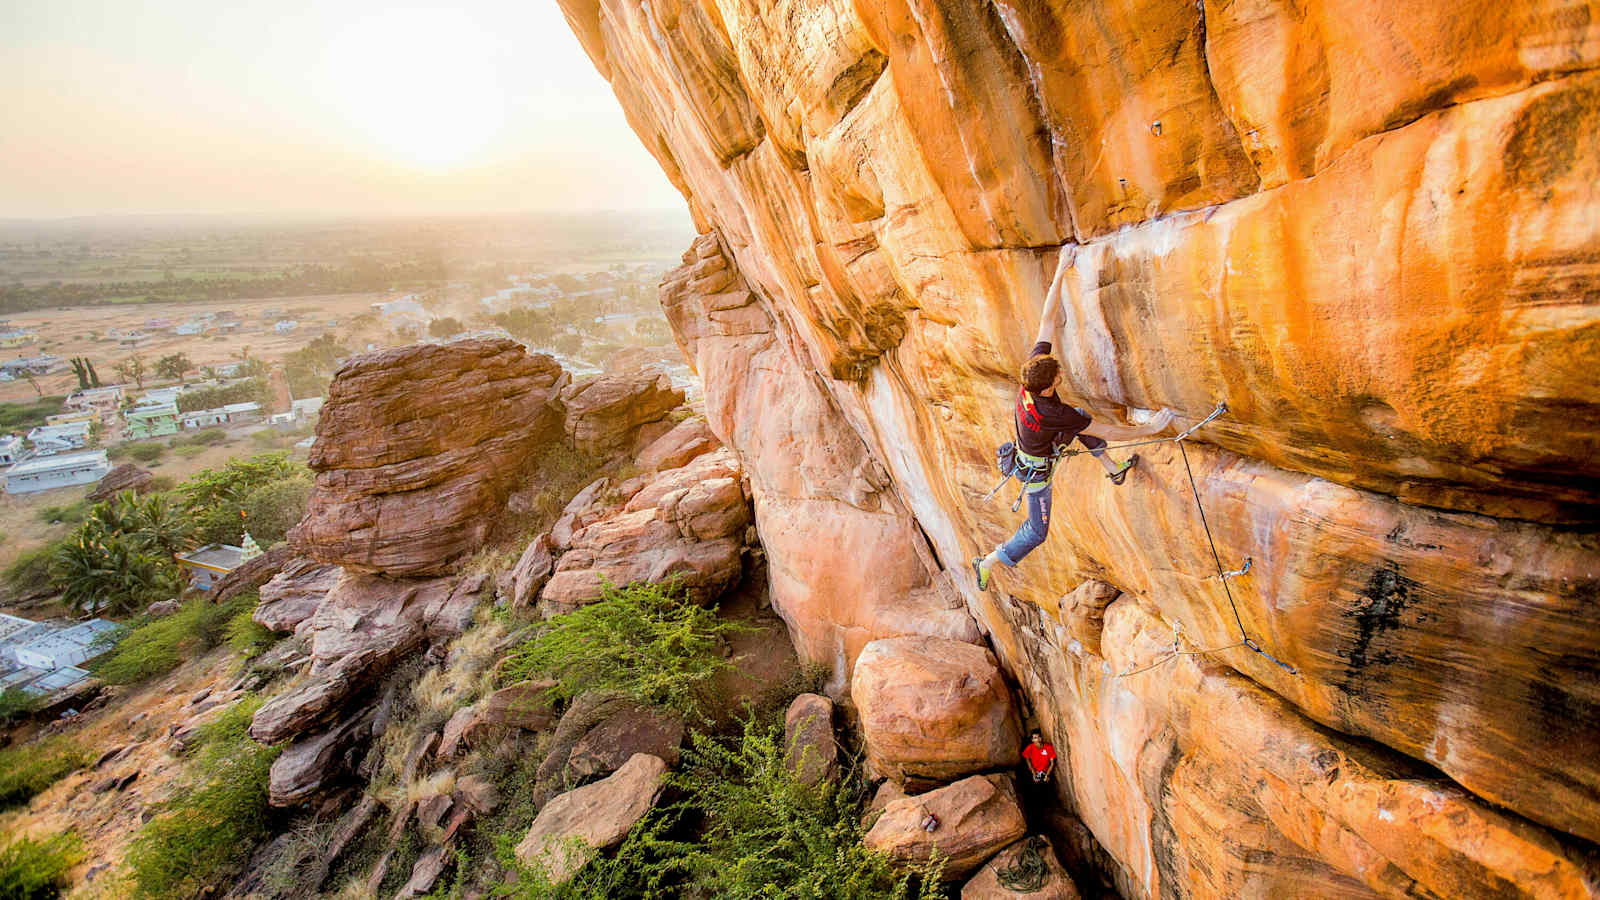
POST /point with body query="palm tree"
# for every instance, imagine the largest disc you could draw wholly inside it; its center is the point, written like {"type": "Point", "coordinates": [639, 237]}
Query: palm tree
{"type": "Point", "coordinates": [161, 527]}
{"type": "Point", "coordinates": [112, 573]}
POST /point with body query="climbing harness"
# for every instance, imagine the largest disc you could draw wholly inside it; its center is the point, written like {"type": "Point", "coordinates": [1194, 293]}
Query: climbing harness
{"type": "Point", "coordinates": [1028, 872]}
{"type": "Point", "coordinates": [1245, 639]}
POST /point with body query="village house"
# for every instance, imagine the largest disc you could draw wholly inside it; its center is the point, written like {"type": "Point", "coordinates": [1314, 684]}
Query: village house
{"type": "Point", "coordinates": [102, 400]}
{"type": "Point", "coordinates": [42, 473]}
{"type": "Point", "coordinates": [48, 439]}
{"type": "Point", "coordinates": [33, 365]}
{"type": "Point", "coordinates": [284, 326]}
{"type": "Point", "coordinates": [17, 337]}
{"type": "Point", "coordinates": [153, 420]}
{"type": "Point", "coordinates": [232, 414]}
{"type": "Point", "coordinates": [68, 418]}
{"type": "Point", "coordinates": [40, 659]}
{"type": "Point", "coordinates": [191, 327]}
{"type": "Point", "coordinates": [10, 449]}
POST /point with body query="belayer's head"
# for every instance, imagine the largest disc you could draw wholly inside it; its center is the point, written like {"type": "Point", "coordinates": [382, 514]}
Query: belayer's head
{"type": "Point", "coordinates": [1039, 373]}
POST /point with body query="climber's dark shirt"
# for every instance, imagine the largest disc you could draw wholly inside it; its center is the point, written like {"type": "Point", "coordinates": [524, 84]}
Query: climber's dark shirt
{"type": "Point", "coordinates": [1045, 420]}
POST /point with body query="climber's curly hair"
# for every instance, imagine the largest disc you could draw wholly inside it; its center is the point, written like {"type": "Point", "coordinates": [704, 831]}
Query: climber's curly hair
{"type": "Point", "coordinates": [1039, 373]}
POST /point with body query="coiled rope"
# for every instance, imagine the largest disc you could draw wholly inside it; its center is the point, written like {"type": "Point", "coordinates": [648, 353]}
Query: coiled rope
{"type": "Point", "coordinates": [1028, 872]}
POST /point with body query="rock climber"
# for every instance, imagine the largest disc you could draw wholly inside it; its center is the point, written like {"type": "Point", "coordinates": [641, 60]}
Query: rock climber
{"type": "Point", "coordinates": [1043, 421]}
{"type": "Point", "coordinates": [1040, 755]}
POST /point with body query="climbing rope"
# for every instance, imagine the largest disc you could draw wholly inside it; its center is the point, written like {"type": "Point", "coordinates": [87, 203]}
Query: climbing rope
{"type": "Point", "coordinates": [1028, 873]}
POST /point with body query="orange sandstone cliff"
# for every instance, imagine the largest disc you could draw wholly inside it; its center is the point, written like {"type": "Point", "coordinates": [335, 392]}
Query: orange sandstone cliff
{"type": "Point", "coordinates": [1372, 229]}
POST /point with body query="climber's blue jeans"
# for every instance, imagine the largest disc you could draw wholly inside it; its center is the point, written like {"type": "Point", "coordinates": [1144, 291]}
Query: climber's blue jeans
{"type": "Point", "coordinates": [1032, 532]}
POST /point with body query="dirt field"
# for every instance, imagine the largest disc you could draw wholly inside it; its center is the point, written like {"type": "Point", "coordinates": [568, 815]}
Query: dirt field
{"type": "Point", "coordinates": [82, 331]}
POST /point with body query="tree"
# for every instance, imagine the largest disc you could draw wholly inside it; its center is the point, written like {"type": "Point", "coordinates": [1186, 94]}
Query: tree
{"type": "Point", "coordinates": [82, 371]}
{"type": "Point", "coordinates": [94, 377]}
{"type": "Point", "coordinates": [161, 526]}
{"type": "Point", "coordinates": [33, 383]}
{"type": "Point", "coordinates": [445, 327]}
{"type": "Point", "coordinates": [174, 365]}
{"type": "Point", "coordinates": [133, 368]}
{"type": "Point", "coordinates": [112, 573]}
{"type": "Point", "coordinates": [97, 433]}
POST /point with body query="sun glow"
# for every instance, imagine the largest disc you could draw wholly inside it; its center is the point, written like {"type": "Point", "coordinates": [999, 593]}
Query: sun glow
{"type": "Point", "coordinates": [422, 85]}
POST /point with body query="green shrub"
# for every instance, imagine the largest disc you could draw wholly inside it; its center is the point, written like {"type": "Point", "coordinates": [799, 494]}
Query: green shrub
{"type": "Point", "coordinates": [190, 451]}
{"type": "Point", "coordinates": [740, 827]}
{"type": "Point", "coordinates": [31, 568]}
{"type": "Point", "coordinates": [215, 817]}
{"type": "Point", "coordinates": [157, 646]}
{"type": "Point", "coordinates": [205, 437]}
{"type": "Point", "coordinates": [247, 637]}
{"type": "Point", "coordinates": [37, 870]}
{"type": "Point", "coordinates": [645, 641]}
{"type": "Point", "coordinates": [15, 704]}
{"type": "Point", "coordinates": [767, 834]}
{"type": "Point", "coordinates": [274, 508]}
{"type": "Point", "coordinates": [145, 453]}
{"type": "Point", "coordinates": [70, 514]}
{"type": "Point", "coordinates": [28, 769]}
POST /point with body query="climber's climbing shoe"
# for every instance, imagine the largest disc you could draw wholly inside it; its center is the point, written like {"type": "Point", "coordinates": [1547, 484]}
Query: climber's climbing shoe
{"type": "Point", "coordinates": [981, 573]}
{"type": "Point", "coordinates": [1121, 474]}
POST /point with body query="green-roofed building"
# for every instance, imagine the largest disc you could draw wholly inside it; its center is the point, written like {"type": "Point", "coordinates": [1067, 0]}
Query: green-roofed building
{"type": "Point", "coordinates": [154, 420]}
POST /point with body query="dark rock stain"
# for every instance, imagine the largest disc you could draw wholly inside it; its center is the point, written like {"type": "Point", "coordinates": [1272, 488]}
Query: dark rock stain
{"type": "Point", "coordinates": [1386, 595]}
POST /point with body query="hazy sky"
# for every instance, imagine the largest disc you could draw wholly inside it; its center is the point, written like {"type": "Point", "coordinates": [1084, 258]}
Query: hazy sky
{"type": "Point", "coordinates": [291, 106]}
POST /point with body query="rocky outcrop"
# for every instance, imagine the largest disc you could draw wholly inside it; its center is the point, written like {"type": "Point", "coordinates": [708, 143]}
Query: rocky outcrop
{"type": "Point", "coordinates": [615, 739]}
{"type": "Point", "coordinates": [971, 820]}
{"type": "Point", "coordinates": [417, 450]}
{"type": "Point", "coordinates": [934, 709]}
{"type": "Point", "coordinates": [124, 477]}
{"type": "Point", "coordinates": [572, 828]}
{"type": "Point", "coordinates": [1368, 231]}
{"type": "Point", "coordinates": [686, 525]}
{"type": "Point", "coordinates": [1026, 870]}
{"type": "Point", "coordinates": [312, 763]}
{"type": "Point", "coordinates": [294, 594]}
{"type": "Point", "coordinates": [605, 413]}
{"type": "Point", "coordinates": [687, 440]}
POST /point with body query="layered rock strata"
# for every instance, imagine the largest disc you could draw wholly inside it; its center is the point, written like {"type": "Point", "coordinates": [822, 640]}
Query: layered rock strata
{"type": "Point", "coordinates": [1371, 231]}
{"type": "Point", "coordinates": [417, 449]}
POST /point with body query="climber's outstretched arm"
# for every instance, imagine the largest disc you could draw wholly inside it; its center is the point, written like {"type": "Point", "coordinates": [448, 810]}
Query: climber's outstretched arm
{"type": "Point", "coordinates": [1107, 431]}
{"type": "Point", "coordinates": [1050, 321]}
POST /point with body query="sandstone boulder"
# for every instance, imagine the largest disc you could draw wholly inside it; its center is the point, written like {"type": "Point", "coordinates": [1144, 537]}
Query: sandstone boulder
{"type": "Point", "coordinates": [621, 734]}
{"type": "Point", "coordinates": [292, 595]}
{"type": "Point", "coordinates": [162, 608]}
{"type": "Point", "coordinates": [687, 440]}
{"type": "Point", "coordinates": [809, 743]}
{"type": "Point", "coordinates": [447, 615]}
{"type": "Point", "coordinates": [532, 570]}
{"type": "Point", "coordinates": [526, 705]}
{"type": "Point", "coordinates": [417, 450]}
{"type": "Point", "coordinates": [686, 525]}
{"type": "Point", "coordinates": [454, 731]}
{"type": "Point", "coordinates": [311, 763]}
{"type": "Point", "coordinates": [1030, 869]}
{"type": "Point", "coordinates": [976, 817]}
{"type": "Point", "coordinates": [933, 708]}
{"type": "Point", "coordinates": [575, 826]}
{"type": "Point", "coordinates": [584, 508]}
{"type": "Point", "coordinates": [605, 413]}
{"type": "Point", "coordinates": [125, 477]}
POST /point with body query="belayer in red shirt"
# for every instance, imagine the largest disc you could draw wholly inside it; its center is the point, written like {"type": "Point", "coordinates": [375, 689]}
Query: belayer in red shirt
{"type": "Point", "coordinates": [1040, 755]}
{"type": "Point", "coordinates": [1043, 421]}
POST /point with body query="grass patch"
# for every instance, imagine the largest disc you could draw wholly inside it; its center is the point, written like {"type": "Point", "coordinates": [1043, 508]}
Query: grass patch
{"type": "Point", "coordinates": [157, 646]}
{"type": "Point", "coordinates": [215, 817]}
{"type": "Point", "coordinates": [190, 451]}
{"type": "Point", "coordinates": [644, 641]}
{"type": "Point", "coordinates": [31, 569]}
{"type": "Point", "coordinates": [29, 769]}
{"type": "Point", "coordinates": [67, 514]}
{"type": "Point", "coordinates": [37, 870]}
{"type": "Point", "coordinates": [140, 452]}
{"type": "Point", "coordinates": [16, 704]}
{"type": "Point", "coordinates": [247, 637]}
{"type": "Point", "coordinates": [205, 437]}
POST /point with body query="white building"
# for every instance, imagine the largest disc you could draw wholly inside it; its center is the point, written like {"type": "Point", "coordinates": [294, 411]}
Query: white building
{"type": "Point", "coordinates": [159, 396]}
{"type": "Point", "coordinates": [66, 647]}
{"type": "Point", "coordinates": [47, 439]}
{"type": "Point", "coordinates": [100, 399]}
{"type": "Point", "coordinates": [10, 449]}
{"type": "Point", "coordinates": [64, 470]}
{"type": "Point", "coordinates": [232, 414]}
{"type": "Point", "coordinates": [284, 326]}
{"type": "Point", "coordinates": [193, 326]}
